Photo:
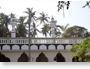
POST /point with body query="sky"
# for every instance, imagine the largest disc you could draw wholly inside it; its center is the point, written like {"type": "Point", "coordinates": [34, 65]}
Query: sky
{"type": "Point", "coordinates": [76, 15]}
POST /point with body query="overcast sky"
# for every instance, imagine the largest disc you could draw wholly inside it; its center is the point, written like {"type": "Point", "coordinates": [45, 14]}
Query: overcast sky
{"type": "Point", "coordinates": [76, 15]}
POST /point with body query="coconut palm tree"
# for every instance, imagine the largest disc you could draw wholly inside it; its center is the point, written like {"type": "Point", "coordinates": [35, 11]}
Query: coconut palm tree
{"type": "Point", "coordinates": [2, 31]}
{"type": "Point", "coordinates": [21, 31]}
{"type": "Point", "coordinates": [4, 20]}
{"type": "Point", "coordinates": [64, 28]}
{"type": "Point", "coordinates": [30, 13]}
{"type": "Point", "coordinates": [7, 22]}
{"type": "Point", "coordinates": [43, 18]}
{"type": "Point", "coordinates": [22, 19]}
{"type": "Point", "coordinates": [34, 30]}
{"type": "Point", "coordinates": [21, 28]}
{"type": "Point", "coordinates": [45, 29]}
{"type": "Point", "coordinates": [30, 16]}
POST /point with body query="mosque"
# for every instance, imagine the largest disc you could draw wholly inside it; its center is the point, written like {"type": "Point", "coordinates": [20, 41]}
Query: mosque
{"type": "Point", "coordinates": [14, 49]}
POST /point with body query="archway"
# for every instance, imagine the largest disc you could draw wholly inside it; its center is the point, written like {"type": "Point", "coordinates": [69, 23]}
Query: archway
{"type": "Point", "coordinates": [3, 58]}
{"type": "Point", "coordinates": [59, 58]}
{"type": "Point", "coordinates": [23, 57]}
{"type": "Point", "coordinates": [41, 58]}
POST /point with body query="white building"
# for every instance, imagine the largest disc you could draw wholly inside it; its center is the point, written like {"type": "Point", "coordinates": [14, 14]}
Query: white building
{"type": "Point", "coordinates": [41, 49]}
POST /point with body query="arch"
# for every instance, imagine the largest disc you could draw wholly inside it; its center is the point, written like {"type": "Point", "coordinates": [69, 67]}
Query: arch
{"type": "Point", "coordinates": [24, 47]}
{"type": "Point", "coordinates": [59, 57]}
{"type": "Point", "coordinates": [3, 58]}
{"type": "Point", "coordinates": [6, 47]}
{"type": "Point", "coordinates": [41, 58]}
{"type": "Point", "coordinates": [23, 57]}
{"type": "Point", "coordinates": [51, 47]}
{"type": "Point", "coordinates": [68, 46]}
{"type": "Point", "coordinates": [60, 47]}
{"type": "Point", "coordinates": [15, 47]}
{"type": "Point", "coordinates": [34, 47]}
{"type": "Point", "coordinates": [43, 47]}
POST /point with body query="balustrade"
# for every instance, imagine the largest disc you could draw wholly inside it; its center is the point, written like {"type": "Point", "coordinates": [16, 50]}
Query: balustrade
{"type": "Point", "coordinates": [41, 40]}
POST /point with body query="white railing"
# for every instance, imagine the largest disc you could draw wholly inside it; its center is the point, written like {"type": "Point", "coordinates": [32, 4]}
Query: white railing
{"type": "Point", "coordinates": [40, 40]}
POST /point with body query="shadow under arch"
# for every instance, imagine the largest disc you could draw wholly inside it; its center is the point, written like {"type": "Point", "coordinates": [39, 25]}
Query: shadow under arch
{"type": "Point", "coordinates": [76, 59]}
{"type": "Point", "coordinates": [23, 57]}
{"type": "Point", "coordinates": [41, 58]}
{"type": "Point", "coordinates": [59, 57]}
{"type": "Point", "coordinates": [3, 58]}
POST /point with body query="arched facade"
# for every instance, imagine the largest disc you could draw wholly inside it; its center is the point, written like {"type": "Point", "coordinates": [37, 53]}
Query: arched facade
{"type": "Point", "coordinates": [6, 47]}
{"type": "Point", "coordinates": [24, 47]}
{"type": "Point", "coordinates": [51, 47]}
{"type": "Point", "coordinates": [34, 47]}
{"type": "Point", "coordinates": [15, 47]}
{"type": "Point", "coordinates": [68, 47]}
{"type": "Point", "coordinates": [42, 47]}
{"type": "Point", "coordinates": [60, 47]}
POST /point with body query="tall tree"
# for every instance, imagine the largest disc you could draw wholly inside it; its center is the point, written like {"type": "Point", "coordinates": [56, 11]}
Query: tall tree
{"type": "Point", "coordinates": [5, 20]}
{"type": "Point", "coordinates": [2, 31]}
{"type": "Point", "coordinates": [64, 28]}
{"type": "Point", "coordinates": [21, 31]}
{"type": "Point", "coordinates": [45, 29]}
{"type": "Point", "coordinates": [76, 31]}
{"type": "Point", "coordinates": [30, 12]}
{"type": "Point", "coordinates": [43, 18]}
{"type": "Point", "coordinates": [34, 30]}
{"type": "Point", "coordinates": [2, 18]}
{"type": "Point", "coordinates": [22, 19]}
{"type": "Point", "coordinates": [30, 16]}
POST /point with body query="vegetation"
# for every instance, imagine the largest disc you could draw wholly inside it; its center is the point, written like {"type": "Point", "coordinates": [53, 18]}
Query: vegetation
{"type": "Point", "coordinates": [76, 31]}
{"type": "Point", "coordinates": [43, 18]}
{"type": "Point", "coordinates": [21, 31]}
{"type": "Point", "coordinates": [62, 4]}
{"type": "Point", "coordinates": [81, 50]}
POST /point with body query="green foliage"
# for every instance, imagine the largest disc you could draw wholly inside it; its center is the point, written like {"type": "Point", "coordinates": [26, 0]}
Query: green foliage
{"type": "Point", "coordinates": [45, 29]}
{"type": "Point", "coordinates": [76, 31]}
{"type": "Point", "coordinates": [2, 31]}
{"type": "Point", "coordinates": [4, 22]}
{"type": "Point", "coordinates": [81, 50]}
{"type": "Point", "coordinates": [34, 30]}
{"type": "Point", "coordinates": [21, 31]}
{"type": "Point", "coordinates": [43, 18]}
